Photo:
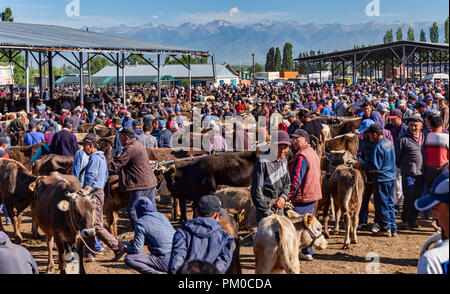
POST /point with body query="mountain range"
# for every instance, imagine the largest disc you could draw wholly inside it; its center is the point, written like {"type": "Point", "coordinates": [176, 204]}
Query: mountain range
{"type": "Point", "coordinates": [234, 43]}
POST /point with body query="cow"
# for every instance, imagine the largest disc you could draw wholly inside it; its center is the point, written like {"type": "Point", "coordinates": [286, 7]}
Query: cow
{"type": "Point", "coordinates": [115, 200]}
{"type": "Point", "coordinates": [348, 125]}
{"type": "Point", "coordinates": [346, 187]}
{"type": "Point", "coordinates": [347, 142]}
{"type": "Point", "coordinates": [14, 180]}
{"type": "Point", "coordinates": [278, 239]}
{"type": "Point", "coordinates": [164, 154]}
{"type": "Point", "coordinates": [23, 154]}
{"type": "Point", "coordinates": [65, 213]}
{"type": "Point", "coordinates": [190, 180]}
{"type": "Point", "coordinates": [49, 163]}
{"type": "Point", "coordinates": [239, 198]}
{"type": "Point", "coordinates": [227, 219]}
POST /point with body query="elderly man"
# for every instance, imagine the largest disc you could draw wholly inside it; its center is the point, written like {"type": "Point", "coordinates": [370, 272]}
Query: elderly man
{"type": "Point", "coordinates": [295, 123]}
{"type": "Point", "coordinates": [135, 172]}
{"type": "Point", "coordinates": [304, 170]}
{"type": "Point", "coordinates": [443, 106]}
{"type": "Point", "coordinates": [436, 260]}
{"type": "Point", "coordinates": [64, 142]}
{"type": "Point", "coordinates": [271, 181]}
{"type": "Point", "coordinates": [409, 157]}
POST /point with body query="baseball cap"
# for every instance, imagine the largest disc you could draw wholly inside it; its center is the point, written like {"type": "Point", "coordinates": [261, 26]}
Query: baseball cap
{"type": "Point", "coordinates": [162, 123]}
{"type": "Point", "coordinates": [300, 133]}
{"type": "Point", "coordinates": [89, 139]}
{"type": "Point", "coordinates": [395, 113]}
{"type": "Point", "coordinates": [281, 138]}
{"type": "Point", "coordinates": [375, 129]}
{"type": "Point", "coordinates": [128, 132]}
{"type": "Point", "coordinates": [136, 123]}
{"type": "Point", "coordinates": [32, 124]}
{"type": "Point", "coordinates": [420, 104]}
{"type": "Point", "coordinates": [290, 114]}
{"type": "Point", "coordinates": [383, 107]}
{"type": "Point", "coordinates": [3, 140]}
{"type": "Point", "coordinates": [128, 114]}
{"type": "Point", "coordinates": [439, 193]}
{"type": "Point", "coordinates": [365, 124]}
{"type": "Point", "coordinates": [68, 122]}
{"type": "Point", "coordinates": [209, 204]}
{"type": "Point", "coordinates": [402, 102]}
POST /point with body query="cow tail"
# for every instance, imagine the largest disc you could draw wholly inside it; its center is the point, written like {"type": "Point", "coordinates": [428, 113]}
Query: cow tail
{"type": "Point", "coordinates": [283, 251]}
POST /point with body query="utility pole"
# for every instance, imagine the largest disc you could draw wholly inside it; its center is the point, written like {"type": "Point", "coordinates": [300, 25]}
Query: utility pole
{"type": "Point", "coordinates": [253, 56]}
{"type": "Point", "coordinates": [89, 66]}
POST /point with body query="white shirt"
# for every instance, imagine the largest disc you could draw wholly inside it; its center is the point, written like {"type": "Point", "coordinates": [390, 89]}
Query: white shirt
{"type": "Point", "coordinates": [434, 260]}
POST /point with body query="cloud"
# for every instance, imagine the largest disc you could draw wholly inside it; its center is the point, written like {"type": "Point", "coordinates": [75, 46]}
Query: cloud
{"type": "Point", "coordinates": [233, 15]}
{"type": "Point", "coordinates": [155, 16]}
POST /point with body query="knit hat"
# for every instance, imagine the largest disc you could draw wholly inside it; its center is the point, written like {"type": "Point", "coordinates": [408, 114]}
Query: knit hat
{"type": "Point", "coordinates": [282, 137]}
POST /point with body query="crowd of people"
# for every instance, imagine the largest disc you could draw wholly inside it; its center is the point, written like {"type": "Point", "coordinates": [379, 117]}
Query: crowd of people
{"type": "Point", "coordinates": [403, 150]}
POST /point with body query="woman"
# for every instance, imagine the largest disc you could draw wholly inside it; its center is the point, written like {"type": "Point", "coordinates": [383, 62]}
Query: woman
{"type": "Point", "coordinates": [44, 149]}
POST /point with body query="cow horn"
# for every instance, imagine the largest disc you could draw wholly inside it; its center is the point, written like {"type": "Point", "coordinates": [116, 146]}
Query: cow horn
{"type": "Point", "coordinates": [71, 195]}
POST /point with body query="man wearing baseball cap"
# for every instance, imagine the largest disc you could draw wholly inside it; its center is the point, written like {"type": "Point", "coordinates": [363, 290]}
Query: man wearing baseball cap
{"type": "Point", "coordinates": [202, 238]}
{"type": "Point", "coordinates": [295, 123]}
{"type": "Point", "coordinates": [436, 260]}
{"type": "Point", "coordinates": [304, 170]}
{"type": "Point", "coordinates": [271, 181]}
{"type": "Point", "coordinates": [381, 166]}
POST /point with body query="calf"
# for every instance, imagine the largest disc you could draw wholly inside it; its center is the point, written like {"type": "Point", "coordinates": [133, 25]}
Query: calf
{"type": "Point", "coordinates": [348, 125]}
{"type": "Point", "coordinates": [278, 239]}
{"type": "Point", "coordinates": [347, 142]}
{"type": "Point", "coordinates": [346, 187]}
{"type": "Point", "coordinates": [23, 154]}
{"type": "Point", "coordinates": [230, 225]}
{"type": "Point", "coordinates": [65, 213]}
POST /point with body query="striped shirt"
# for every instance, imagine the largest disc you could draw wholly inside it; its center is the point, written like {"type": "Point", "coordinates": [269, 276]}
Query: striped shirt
{"type": "Point", "coordinates": [436, 149]}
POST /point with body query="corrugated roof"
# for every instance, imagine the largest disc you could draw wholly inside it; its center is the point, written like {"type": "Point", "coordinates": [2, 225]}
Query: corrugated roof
{"type": "Point", "coordinates": [48, 37]}
{"type": "Point", "coordinates": [175, 70]}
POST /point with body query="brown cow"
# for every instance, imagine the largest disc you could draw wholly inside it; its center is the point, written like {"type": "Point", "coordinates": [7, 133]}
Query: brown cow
{"type": "Point", "coordinates": [349, 125]}
{"type": "Point", "coordinates": [24, 154]}
{"type": "Point", "coordinates": [49, 163]}
{"type": "Point", "coordinates": [347, 142]}
{"type": "Point", "coordinates": [14, 180]}
{"type": "Point", "coordinates": [164, 154]}
{"type": "Point", "coordinates": [230, 225]}
{"type": "Point", "coordinates": [66, 214]}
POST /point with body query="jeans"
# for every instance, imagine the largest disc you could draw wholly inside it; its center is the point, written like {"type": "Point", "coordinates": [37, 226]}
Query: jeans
{"type": "Point", "coordinates": [412, 189]}
{"type": "Point", "coordinates": [398, 187]}
{"type": "Point", "coordinates": [383, 194]}
{"type": "Point", "coordinates": [134, 196]}
{"type": "Point", "coordinates": [148, 263]}
{"type": "Point", "coordinates": [364, 211]}
{"type": "Point", "coordinates": [5, 213]}
{"type": "Point", "coordinates": [302, 209]}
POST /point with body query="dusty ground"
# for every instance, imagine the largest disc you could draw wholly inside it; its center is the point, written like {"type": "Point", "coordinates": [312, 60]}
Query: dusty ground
{"type": "Point", "coordinates": [396, 255]}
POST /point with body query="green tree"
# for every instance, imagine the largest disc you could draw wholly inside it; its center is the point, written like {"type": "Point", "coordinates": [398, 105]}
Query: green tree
{"type": "Point", "coordinates": [7, 15]}
{"type": "Point", "coordinates": [194, 60]}
{"type": "Point", "coordinates": [270, 59]}
{"type": "Point", "coordinates": [288, 62]}
{"type": "Point", "coordinates": [277, 63]}
{"type": "Point", "coordinates": [97, 63]}
{"type": "Point", "coordinates": [423, 37]}
{"type": "Point", "coordinates": [410, 34]}
{"type": "Point", "coordinates": [258, 68]}
{"type": "Point", "coordinates": [388, 37]}
{"type": "Point", "coordinates": [399, 34]}
{"type": "Point", "coordinates": [446, 31]}
{"type": "Point", "coordinates": [136, 59]}
{"type": "Point", "coordinates": [434, 33]}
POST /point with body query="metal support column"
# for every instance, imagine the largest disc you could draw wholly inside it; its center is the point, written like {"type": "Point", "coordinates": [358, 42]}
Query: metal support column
{"type": "Point", "coordinates": [307, 72]}
{"type": "Point", "coordinates": [123, 82]}
{"type": "Point", "coordinates": [40, 75]}
{"type": "Point", "coordinates": [332, 71]}
{"type": "Point", "coordinates": [213, 68]}
{"type": "Point", "coordinates": [50, 74]}
{"type": "Point", "coordinates": [27, 82]}
{"type": "Point", "coordinates": [159, 78]}
{"type": "Point", "coordinates": [117, 76]}
{"type": "Point", "coordinates": [354, 68]}
{"type": "Point", "coordinates": [420, 67]}
{"type": "Point", "coordinates": [190, 78]}
{"type": "Point", "coordinates": [81, 78]}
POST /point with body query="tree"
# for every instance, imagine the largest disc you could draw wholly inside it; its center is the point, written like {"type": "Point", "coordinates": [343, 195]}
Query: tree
{"type": "Point", "coordinates": [7, 15]}
{"type": "Point", "coordinates": [136, 59]}
{"type": "Point", "coordinates": [423, 37]}
{"type": "Point", "coordinates": [270, 60]}
{"type": "Point", "coordinates": [277, 63]}
{"type": "Point", "coordinates": [434, 33]}
{"type": "Point", "coordinates": [288, 62]}
{"type": "Point", "coordinates": [258, 68]}
{"type": "Point", "coordinates": [410, 34]}
{"type": "Point", "coordinates": [388, 37]}
{"type": "Point", "coordinates": [446, 31]}
{"type": "Point", "coordinates": [97, 63]}
{"type": "Point", "coordinates": [399, 34]}
{"type": "Point", "coordinates": [194, 60]}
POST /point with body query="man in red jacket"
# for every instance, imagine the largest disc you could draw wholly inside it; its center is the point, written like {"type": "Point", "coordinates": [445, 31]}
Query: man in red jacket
{"type": "Point", "coordinates": [304, 169]}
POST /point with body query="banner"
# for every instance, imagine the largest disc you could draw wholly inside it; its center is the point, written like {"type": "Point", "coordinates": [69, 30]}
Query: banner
{"type": "Point", "coordinates": [6, 77]}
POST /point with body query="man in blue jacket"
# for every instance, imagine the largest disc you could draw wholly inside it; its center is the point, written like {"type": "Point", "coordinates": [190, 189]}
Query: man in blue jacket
{"type": "Point", "coordinates": [153, 229]}
{"type": "Point", "coordinates": [202, 238]}
{"type": "Point", "coordinates": [381, 166]}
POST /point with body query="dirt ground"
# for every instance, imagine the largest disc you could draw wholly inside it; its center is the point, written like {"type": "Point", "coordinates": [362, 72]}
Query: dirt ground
{"type": "Point", "coordinates": [396, 255]}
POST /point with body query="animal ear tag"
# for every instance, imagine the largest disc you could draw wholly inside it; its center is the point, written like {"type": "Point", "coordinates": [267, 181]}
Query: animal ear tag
{"type": "Point", "coordinates": [32, 186]}
{"type": "Point", "coordinates": [308, 219]}
{"type": "Point", "coordinates": [240, 215]}
{"type": "Point", "coordinates": [63, 205]}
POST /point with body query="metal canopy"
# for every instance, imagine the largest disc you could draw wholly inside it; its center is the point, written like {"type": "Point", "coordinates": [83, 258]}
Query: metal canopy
{"type": "Point", "coordinates": [56, 38]}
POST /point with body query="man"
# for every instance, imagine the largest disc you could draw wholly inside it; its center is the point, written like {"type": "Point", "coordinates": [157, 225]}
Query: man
{"type": "Point", "coordinates": [443, 106]}
{"type": "Point", "coordinates": [137, 128]}
{"type": "Point", "coordinates": [202, 238]}
{"type": "Point", "coordinates": [116, 149]}
{"type": "Point", "coordinates": [380, 165]}
{"type": "Point", "coordinates": [41, 106]}
{"type": "Point", "coordinates": [135, 173]}
{"type": "Point", "coordinates": [366, 107]}
{"type": "Point", "coordinates": [17, 125]}
{"type": "Point", "coordinates": [326, 110]}
{"type": "Point", "coordinates": [80, 162]}
{"type": "Point", "coordinates": [436, 260]}
{"type": "Point", "coordinates": [33, 136]}
{"type": "Point", "coordinates": [15, 259]}
{"type": "Point", "coordinates": [95, 177]}
{"type": "Point", "coordinates": [270, 181]}
{"type": "Point", "coordinates": [410, 161]}
{"type": "Point", "coordinates": [304, 170]}
{"type": "Point", "coordinates": [165, 136]}
{"type": "Point", "coordinates": [406, 112]}
{"type": "Point", "coordinates": [295, 123]}
{"type": "Point", "coordinates": [147, 139]}
{"type": "Point", "coordinates": [64, 142]}
{"type": "Point", "coordinates": [3, 147]}
{"type": "Point", "coordinates": [156, 132]}
{"type": "Point", "coordinates": [312, 127]}
{"type": "Point", "coordinates": [153, 229]}
{"type": "Point", "coordinates": [128, 120]}
{"type": "Point", "coordinates": [51, 123]}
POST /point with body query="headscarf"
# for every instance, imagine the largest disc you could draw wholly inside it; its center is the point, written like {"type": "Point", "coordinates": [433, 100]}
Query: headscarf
{"type": "Point", "coordinates": [48, 137]}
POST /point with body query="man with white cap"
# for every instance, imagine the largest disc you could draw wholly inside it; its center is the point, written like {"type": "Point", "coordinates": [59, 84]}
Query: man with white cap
{"type": "Point", "coordinates": [406, 112]}
{"type": "Point", "coordinates": [436, 260]}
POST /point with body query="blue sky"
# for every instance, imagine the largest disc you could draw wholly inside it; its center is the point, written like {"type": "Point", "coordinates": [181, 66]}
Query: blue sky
{"type": "Point", "coordinates": [174, 12]}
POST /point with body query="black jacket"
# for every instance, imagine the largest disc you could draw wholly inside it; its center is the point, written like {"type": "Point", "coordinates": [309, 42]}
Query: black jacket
{"type": "Point", "coordinates": [409, 155]}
